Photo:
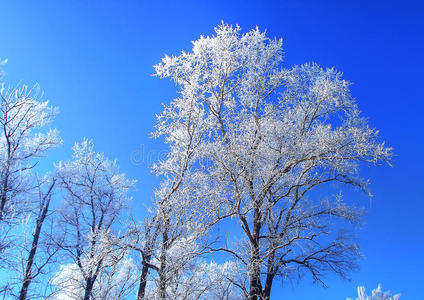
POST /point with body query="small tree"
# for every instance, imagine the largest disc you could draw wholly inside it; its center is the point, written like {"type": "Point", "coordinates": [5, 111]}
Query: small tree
{"type": "Point", "coordinates": [270, 136]}
{"type": "Point", "coordinates": [376, 294]}
{"type": "Point", "coordinates": [95, 196]}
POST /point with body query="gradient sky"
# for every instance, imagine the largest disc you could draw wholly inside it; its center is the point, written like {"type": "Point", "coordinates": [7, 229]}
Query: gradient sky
{"type": "Point", "coordinates": [93, 59]}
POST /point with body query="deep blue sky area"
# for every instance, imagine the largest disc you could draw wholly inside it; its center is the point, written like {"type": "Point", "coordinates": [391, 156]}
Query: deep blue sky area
{"type": "Point", "coordinates": [93, 59]}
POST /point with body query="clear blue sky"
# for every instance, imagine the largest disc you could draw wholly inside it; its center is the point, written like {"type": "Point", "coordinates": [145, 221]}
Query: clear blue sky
{"type": "Point", "coordinates": [94, 60]}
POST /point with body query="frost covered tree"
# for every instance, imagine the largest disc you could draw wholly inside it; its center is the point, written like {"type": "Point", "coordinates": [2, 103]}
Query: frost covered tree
{"type": "Point", "coordinates": [117, 283]}
{"type": "Point", "coordinates": [376, 294]}
{"type": "Point", "coordinates": [267, 137]}
{"type": "Point", "coordinates": [38, 252]}
{"type": "Point", "coordinates": [22, 142]}
{"type": "Point", "coordinates": [144, 242]}
{"type": "Point", "coordinates": [25, 137]}
{"type": "Point", "coordinates": [31, 254]}
{"type": "Point", "coordinates": [177, 214]}
{"type": "Point", "coordinates": [187, 275]}
{"type": "Point", "coordinates": [2, 63]}
{"type": "Point", "coordinates": [201, 280]}
{"type": "Point", "coordinates": [95, 196]}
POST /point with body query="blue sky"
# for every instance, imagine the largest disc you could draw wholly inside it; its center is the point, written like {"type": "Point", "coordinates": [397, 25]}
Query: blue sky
{"type": "Point", "coordinates": [93, 59]}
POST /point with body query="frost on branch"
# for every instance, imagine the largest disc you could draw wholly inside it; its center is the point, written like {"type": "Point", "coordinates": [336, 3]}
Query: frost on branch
{"type": "Point", "coordinates": [266, 137]}
{"type": "Point", "coordinates": [95, 196]}
{"type": "Point", "coordinates": [200, 280]}
{"type": "Point", "coordinates": [2, 63]}
{"type": "Point", "coordinates": [114, 284]}
{"type": "Point", "coordinates": [24, 138]}
{"type": "Point", "coordinates": [376, 294]}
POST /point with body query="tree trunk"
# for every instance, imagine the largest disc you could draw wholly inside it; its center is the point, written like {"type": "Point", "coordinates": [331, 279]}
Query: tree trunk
{"type": "Point", "coordinates": [5, 186]}
{"type": "Point", "coordinates": [143, 279]}
{"type": "Point", "coordinates": [30, 261]}
{"type": "Point", "coordinates": [27, 276]}
{"type": "Point", "coordinates": [88, 288]}
{"type": "Point", "coordinates": [4, 195]}
{"type": "Point", "coordinates": [266, 293]}
{"type": "Point", "coordinates": [162, 271]}
{"type": "Point", "coordinates": [255, 272]}
{"type": "Point", "coordinates": [255, 277]}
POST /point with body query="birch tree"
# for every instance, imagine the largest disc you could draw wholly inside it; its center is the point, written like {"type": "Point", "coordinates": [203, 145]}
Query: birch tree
{"type": "Point", "coordinates": [95, 196]}
{"type": "Point", "coordinates": [271, 136]}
